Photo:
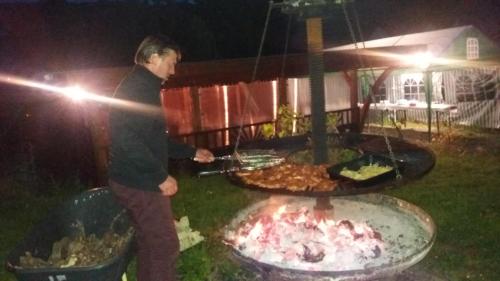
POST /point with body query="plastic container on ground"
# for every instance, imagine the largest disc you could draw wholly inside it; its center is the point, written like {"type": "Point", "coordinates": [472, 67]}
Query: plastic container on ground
{"type": "Point", "coordinates": [97, 210]}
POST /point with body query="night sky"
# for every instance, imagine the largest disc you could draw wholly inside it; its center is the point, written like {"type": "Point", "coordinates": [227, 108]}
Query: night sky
{"type": "Point", "coordinates": [54, 35]}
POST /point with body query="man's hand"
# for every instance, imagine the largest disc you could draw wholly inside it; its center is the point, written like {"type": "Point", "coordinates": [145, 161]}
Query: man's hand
{"type": "Point", "coordinates": [169, 186]}
{"type": "Point", "coordinates": [203, 156]}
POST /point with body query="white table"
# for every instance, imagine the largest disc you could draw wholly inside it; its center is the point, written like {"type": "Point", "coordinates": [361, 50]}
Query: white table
{"type": "Point", "coordinates": [438, 108]}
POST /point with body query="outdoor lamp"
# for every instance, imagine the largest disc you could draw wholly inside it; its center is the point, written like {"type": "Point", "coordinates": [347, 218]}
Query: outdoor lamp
{"type": "Point", "coordinates": [76, 93]}
{"type": "Point", "coordinates": [422, 59]}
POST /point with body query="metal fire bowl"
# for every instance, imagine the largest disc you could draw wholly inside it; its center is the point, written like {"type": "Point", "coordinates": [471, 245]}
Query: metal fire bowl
{"type": "Point", "coordinates": [408, 233]}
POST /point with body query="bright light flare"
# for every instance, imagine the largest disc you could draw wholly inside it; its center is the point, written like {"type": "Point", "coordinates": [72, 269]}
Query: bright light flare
{"type": "Point", "coordinates": [77, 93]}
{"type": "Point", "coordinates": [421, 60]}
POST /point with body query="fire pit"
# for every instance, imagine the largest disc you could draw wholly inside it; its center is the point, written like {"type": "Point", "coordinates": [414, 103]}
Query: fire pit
{"type": "Point", "coordinates": [362, 237]}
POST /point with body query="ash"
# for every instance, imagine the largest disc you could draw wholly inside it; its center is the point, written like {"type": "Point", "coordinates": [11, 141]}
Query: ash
{"type": "Point", "coordinates": [296, 238]}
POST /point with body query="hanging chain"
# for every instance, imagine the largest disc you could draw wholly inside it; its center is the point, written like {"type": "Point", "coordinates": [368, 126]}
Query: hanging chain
{"type": "Point", "coordinates": [285, 49]}
{"type": "Point", "coordinates": [254, 74]}
{"type": "Point", "coordinates": [370, 91]}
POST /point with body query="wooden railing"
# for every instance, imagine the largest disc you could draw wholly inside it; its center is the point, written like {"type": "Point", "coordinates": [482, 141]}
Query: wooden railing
{"type": "Point", "coordinates": [251, 132]}
{"type": "Point", "coordinates": [223, 137]}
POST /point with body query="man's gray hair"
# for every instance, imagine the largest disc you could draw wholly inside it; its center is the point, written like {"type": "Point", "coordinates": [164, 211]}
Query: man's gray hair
{"type": "Point", "coordinates": [155, 44]}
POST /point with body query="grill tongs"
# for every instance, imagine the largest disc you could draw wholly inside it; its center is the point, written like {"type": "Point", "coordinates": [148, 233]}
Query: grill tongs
{"type": "Point", "coordinates": [247, 160]}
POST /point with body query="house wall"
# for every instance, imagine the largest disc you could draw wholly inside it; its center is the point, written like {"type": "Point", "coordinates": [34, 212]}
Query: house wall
{"type": "Point", "coordinates": [477, 106]}
{"type": "Point", "coordinates": [458, 49]}
{"type": "Point", "coordinates": [477, 99]}
{"type": "Point", "coordinates": [179, 114]}
{"type": "Point", "coordinates": [220, 106]}
{"type": "Point", "coordinates": [337, 93]}
{"type": "Point", "coordinates": [475, 92]}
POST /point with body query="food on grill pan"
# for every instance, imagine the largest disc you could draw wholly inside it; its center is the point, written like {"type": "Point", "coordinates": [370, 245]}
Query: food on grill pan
{"type": "Point", "coordinates": [365, 172]}
{"type": "Point", "coordinates": [293, 177]}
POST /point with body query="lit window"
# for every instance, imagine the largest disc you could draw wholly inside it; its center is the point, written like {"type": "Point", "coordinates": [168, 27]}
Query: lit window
{"type": "Point", "coordinates": [414, 90]}
{"type": "Point", "coordinates": [484, 87]}
{"type": "Point", "coordinates": [472, 48]}
{"type": "Point", "coordinates": [421, 90]}
{"type": "Point", "coordinates": [463, 86]}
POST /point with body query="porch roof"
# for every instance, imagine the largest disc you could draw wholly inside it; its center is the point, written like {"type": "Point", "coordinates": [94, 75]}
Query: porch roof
{"type": "Point", "coordinates": [228, 72]}
{"type": "Point", "coordinates": [436, 41]}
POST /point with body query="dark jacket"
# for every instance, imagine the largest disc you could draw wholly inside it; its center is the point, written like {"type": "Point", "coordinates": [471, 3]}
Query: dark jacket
{"type": "Point", "coordinates": [140, 146]}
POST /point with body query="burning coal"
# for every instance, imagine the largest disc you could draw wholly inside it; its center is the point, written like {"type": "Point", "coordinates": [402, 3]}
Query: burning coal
{"type": "Point", "coordinates": [295, 237]}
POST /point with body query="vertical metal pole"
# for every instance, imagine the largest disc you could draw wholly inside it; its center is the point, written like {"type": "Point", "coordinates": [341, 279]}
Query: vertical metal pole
{"type": "Point", "coordinates": [197, 118]}
{"type": "Point", "coordinates": [100, 140]}
{"type": "Point", "coordinates": [317, 85]}
{"type": "Point", "coordinates": [355, 118]}
{"type": "Point", "coordinates": [428, 92]}
{"type": "Point", "coordinates": [196, 109]}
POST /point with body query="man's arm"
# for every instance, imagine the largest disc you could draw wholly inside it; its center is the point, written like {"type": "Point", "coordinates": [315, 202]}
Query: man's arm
{"type": "Point", "coordinates": [180, 150]}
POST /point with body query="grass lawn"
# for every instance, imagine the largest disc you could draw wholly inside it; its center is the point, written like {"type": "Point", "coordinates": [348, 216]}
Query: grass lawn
{"type": "Point", "coordinates": [461, 193]}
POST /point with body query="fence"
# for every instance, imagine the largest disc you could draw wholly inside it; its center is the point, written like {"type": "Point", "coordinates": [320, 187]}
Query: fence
{"type": "Point", "coordinates": [251, 132]}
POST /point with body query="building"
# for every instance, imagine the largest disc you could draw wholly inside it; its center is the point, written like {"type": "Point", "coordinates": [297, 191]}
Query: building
{"type": "Point", "coordinates": [464, 69]}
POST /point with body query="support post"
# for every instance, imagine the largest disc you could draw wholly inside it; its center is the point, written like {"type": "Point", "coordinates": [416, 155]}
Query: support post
{"type": "Point", "coordinates": [97, 117]}
{"type": "Point", "coordinates": [317, 85]}
{"type": "Point", "coordinates": [196, 110]}
{"type": "Point", "coordinates": [197, 118]}
{"type": "Point", "coordinates": [428, 91]}
{"type": "Point", "coordinates": [282, 91]}
{"type": "Point", "coordinates": [352, 79]}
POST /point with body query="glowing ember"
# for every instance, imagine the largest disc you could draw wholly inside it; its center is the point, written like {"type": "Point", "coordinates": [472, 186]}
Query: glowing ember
{"type": "Point", "coordinates": [297, 238]}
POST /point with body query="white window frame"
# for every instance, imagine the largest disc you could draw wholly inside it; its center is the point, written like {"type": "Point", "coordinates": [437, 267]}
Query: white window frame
{"type": "Point", "coordinates": [415, 90]}
{"type": "Point", "coordinates": [472, 48]}
{"type": "Point", "coordinates": [463, 88]}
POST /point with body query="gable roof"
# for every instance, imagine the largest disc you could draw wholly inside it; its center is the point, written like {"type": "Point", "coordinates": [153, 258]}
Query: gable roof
{"type": "Point", "coordinates": [208, 73]}
{"type": "Point", "coordinates": [437, 41]}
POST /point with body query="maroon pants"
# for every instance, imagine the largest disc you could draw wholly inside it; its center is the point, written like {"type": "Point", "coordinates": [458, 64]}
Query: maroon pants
{"type": "Point", "coordinates": [157, 241]}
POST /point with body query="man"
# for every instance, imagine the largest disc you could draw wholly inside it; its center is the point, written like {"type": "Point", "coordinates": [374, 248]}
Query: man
{"type": "Point", "coordinates": [140, 148]}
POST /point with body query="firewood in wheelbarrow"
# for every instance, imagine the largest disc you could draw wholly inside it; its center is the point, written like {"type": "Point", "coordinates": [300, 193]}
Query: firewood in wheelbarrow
{"type": "Point", "coordinates": [29, 261]}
